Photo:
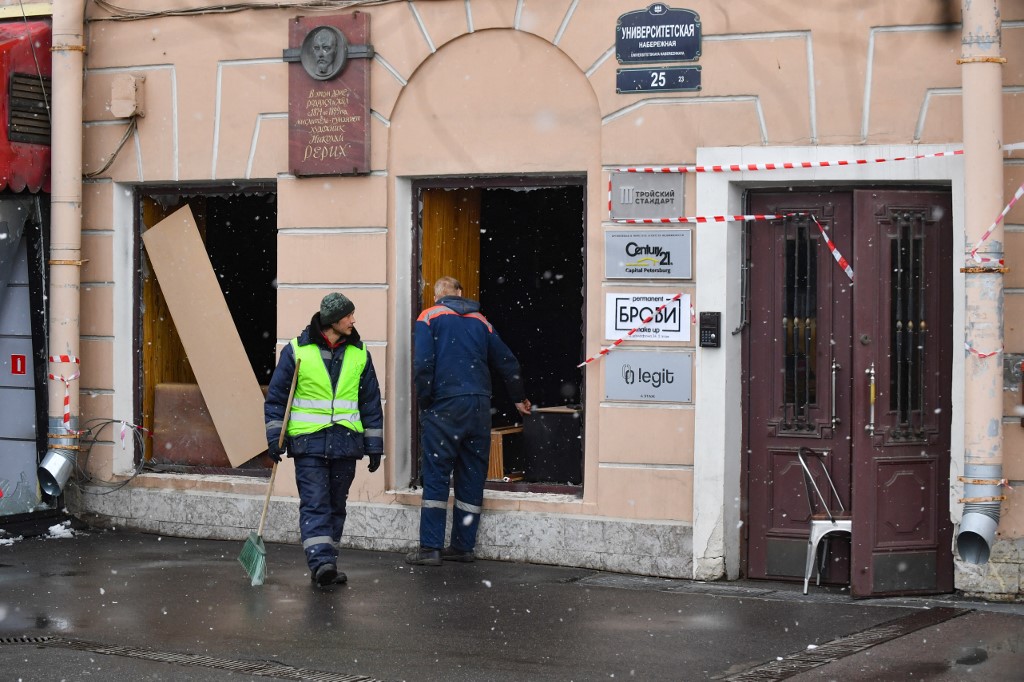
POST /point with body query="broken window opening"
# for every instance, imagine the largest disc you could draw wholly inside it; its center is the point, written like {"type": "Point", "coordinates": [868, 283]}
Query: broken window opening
{"type": "Point", "coordinates": [517, 246]}
{"type": "Point", "coordinates": [239, 231]}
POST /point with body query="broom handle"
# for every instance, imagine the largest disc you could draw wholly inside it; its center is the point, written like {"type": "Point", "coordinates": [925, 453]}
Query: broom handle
{"type": "Point", "coordinates": [266, 503]}
{"type": "Point", "coordinates": [280, 444]}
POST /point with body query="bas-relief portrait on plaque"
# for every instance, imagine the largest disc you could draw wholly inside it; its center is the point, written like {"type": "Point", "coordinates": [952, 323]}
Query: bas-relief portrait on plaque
{"type": "Point", "coordinates": [323, 53]}
{"type": "Point", "coordinates": [328, 95]}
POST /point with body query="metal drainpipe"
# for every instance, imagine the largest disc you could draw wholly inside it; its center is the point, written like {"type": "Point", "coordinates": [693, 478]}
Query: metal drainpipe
{"type": "Point", "coordinates": [68, 56]}
{"type": "Point", "coordinates": [982, 78]}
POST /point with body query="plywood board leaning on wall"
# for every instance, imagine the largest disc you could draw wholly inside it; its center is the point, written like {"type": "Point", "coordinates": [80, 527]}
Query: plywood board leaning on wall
{"type": "Point", "coordinates": [214, 348]}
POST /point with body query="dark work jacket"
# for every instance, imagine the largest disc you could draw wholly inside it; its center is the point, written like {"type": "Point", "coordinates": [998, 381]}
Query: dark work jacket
{"type": "Point", "coordinates": [455, 349]}
{"type": "Point", "coordinates": [336, 440]}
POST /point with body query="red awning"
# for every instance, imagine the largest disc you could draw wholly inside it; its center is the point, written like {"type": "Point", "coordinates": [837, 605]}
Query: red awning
{"type": "Point", "coordinates": [25, 52]}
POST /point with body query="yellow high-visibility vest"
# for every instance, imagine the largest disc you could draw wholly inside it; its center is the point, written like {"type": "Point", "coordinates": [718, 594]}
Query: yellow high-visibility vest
{"type": "Point", "coordinates": [314, 407]}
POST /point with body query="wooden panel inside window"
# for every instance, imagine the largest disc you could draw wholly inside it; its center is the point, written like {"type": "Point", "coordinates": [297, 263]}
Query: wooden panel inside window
{"type": "Point", "coordinates": [215, 351]}
{"type": "Point", "coordinates": [163, 356]}
{"type": "Point", "coordinates": [451, 240]}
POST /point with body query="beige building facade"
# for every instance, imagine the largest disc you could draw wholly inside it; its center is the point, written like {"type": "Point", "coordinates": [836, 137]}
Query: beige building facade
{"type": "Point", "coordinates": [515, 102]}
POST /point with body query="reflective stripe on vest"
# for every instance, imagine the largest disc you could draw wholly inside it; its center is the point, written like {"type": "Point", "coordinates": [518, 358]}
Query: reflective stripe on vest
{"type": "Point", "coordinates": [314, 407]}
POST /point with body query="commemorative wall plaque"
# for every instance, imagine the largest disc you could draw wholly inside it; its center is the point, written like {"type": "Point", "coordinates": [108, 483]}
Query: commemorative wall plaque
{"type": "Point", "coordinates": [329, 94]}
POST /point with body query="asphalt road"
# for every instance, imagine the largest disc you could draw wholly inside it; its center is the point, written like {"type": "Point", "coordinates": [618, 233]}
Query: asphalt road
{"type": "Point", "coordinates": [107, 605]}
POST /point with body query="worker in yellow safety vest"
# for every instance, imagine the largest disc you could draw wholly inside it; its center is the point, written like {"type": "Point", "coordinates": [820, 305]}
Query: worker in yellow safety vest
{"type": "Point", "coordinates": [336, 419]}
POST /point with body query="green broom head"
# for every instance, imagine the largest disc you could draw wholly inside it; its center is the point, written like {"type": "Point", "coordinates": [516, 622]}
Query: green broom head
{"type": "Point", "coordinates": [254, 559]}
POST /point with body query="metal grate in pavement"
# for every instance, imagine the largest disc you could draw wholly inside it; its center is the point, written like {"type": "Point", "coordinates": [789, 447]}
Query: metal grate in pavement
{"type": "Point", "coordinates": [24, 640]}
{"type": "Point", "coordinates": [803, 661]}
{"type": "Point", "coordinates": [261, 668]}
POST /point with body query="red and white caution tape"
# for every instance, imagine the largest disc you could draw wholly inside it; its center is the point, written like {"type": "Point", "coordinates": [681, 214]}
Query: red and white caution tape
{"type": "Point", "coordinates": [981, 355]}
{"type": "Point", "coordinates": [704, 219]}
{"type": "Point", "coordinates": [843, 263]}
{"type": "Point", "coordinates": [609, 349]}
{"type": "Point", "coordinates": [988, 233]}
{"type": "Point", "coordinates": [839, 258]}
{"type": "Point", "coordinates": [125, 426]}
{"type": "Point", "coordinates": [786, 165]}
{"type": "Point", "coordinates": [66, 359]}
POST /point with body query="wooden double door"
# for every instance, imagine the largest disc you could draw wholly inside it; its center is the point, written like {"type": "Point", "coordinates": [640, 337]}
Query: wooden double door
{"type": "Point", "coordinates": [858, 369]}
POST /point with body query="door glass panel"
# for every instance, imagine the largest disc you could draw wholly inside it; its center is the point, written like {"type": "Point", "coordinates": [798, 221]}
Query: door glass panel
{"type": "Point", "coordinates": [799, 324]}
{"type": "Point", "coordinates": [908, 323]}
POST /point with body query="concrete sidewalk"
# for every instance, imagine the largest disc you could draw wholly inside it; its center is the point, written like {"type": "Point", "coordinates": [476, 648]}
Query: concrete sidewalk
{"type": "Point", "coordinates": [109, 604]}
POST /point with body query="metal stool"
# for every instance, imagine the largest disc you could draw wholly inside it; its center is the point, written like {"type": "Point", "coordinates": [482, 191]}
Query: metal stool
{"type": "Point", "coordinates": [824, 523]}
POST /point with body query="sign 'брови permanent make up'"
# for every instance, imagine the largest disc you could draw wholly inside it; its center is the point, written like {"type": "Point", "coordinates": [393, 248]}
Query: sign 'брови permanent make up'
{"type": "Point", "coordinates": [329, 94]}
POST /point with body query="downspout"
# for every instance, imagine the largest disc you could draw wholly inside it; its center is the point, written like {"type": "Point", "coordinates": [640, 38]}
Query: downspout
{"type": "Point", "coordinates": [68, 56]}
{"type": "Point", "coordinates": [982, 78]}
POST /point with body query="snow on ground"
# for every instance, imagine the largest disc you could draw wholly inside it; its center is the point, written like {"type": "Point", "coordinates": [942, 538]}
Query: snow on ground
{"type": "Point", "coordinates": [60, 530]}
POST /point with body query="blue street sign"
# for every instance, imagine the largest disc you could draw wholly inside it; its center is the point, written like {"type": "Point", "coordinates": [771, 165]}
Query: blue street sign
{"type": "Point", "coordinates": [658, 34]}
{"type": "Point", "coordinates": [668, 79]}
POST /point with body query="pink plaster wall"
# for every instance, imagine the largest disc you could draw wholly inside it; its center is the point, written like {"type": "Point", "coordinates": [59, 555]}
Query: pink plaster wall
{"type": "Point", "coordinates": [481, 91]}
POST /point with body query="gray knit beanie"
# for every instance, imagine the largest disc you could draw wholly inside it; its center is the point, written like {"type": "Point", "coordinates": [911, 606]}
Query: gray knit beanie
{"type": "Point", "coordinates": [333, 307]}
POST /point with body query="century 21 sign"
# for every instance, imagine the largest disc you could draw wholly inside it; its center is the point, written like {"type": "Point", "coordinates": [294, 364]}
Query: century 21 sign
{"type": "Point", "coordinates": [648, 254]}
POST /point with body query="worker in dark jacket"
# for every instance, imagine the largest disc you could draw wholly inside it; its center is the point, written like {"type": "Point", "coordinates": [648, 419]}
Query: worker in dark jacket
{"type": "Point", "coordinates": [455, 349]}
{"type": "Point", "coordinates": [336, 418]}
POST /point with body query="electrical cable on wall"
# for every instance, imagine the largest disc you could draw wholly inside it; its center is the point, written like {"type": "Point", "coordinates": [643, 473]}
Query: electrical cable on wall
{"type": "Point", "coordinates": [132, 127]}
{"type": "Point", "coordinates": [126, 14]}
{"type": "Point", "coordinates": [39, 72]}
{"type": "Point", "coordinates": [89, 437]}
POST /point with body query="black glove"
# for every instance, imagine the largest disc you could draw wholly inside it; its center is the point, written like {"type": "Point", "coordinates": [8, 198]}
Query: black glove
{"type": "Point", "coordinates": [275, 452]}
{"type": "Point", "coordinates": [374, 462]}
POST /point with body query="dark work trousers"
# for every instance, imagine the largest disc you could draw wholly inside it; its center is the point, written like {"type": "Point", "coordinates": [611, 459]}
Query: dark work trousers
{"type": "Point", "coordinates": [323, 490]}
{"type": "Point", "coordinates": [456, 436]}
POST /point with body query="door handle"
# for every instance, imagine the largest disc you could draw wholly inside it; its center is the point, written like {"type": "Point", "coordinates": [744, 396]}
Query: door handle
{"type": "Point", "coordinates": [870, 426]}
{"type": "Point", "coordinates": [835, 369]}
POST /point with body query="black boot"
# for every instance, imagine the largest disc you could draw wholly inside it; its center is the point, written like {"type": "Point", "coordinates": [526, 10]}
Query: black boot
{"type": "Point", "coordinates": [325, 575]}
{"type": "Point", "coordinates": [424, 556]}
{"type": "Point", "coordinates": [452, 554]}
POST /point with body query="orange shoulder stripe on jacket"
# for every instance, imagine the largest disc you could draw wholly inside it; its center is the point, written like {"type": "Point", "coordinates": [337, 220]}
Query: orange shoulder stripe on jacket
{"type": "Point", "coordinates": [482, 319]}
{"type": "Point", "coordinates": [433, 311]}
{"type": "Point", "coordinates": [437, 310]}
